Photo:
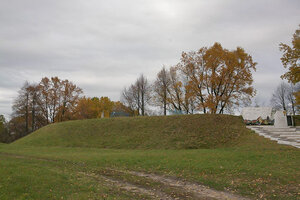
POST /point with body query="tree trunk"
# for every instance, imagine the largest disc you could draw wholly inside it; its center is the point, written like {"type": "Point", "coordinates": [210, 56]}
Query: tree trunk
{"type": "Point", "coordinates": [26, 114]}
{"type": "Point", "coordinates": [33, 114]}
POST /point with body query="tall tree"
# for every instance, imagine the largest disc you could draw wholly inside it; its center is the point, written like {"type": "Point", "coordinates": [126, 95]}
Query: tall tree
{"type": "Point", "coordinates": [175, 91]}
{"type": "Point", "coordinates": [283, 97]}
{"type": "Point", "coordinates": [143, 91]}
{"type": "Point", "coordinates": [137, 95]}
{"type": "Point", "coordinates": [69, 98]}
{"type": "Point", "coordinates": [280, 97]}
{"type": "Point", "coordinates": [33, 92]}
{"type": "Point", "coordinates": [86, 108]}
{"type": "Point", "coordinates": [160, 89]}
{"type": "Point", "coordinates": [219, 78]}
{"type": "Point", "coordinates": [292, 89]}
{"type": "Point", "coordinates": [21, 108]}
{"type": "Point", "coordinates": [130, 98]}
{"type": "Point", "coordinates": [55, 97]}
{"type": "Point", "coordinates": [44, 98]}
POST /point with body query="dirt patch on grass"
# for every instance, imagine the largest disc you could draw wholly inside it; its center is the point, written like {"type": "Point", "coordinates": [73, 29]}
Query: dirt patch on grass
{"type": "Point", "coordinates": [130, 187]}
{"type": "Point", "coordinates": [199, 191]}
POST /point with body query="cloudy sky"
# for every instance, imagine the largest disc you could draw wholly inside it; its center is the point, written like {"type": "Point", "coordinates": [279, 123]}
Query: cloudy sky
{"type": "Point", "coordinates": [103, 46]}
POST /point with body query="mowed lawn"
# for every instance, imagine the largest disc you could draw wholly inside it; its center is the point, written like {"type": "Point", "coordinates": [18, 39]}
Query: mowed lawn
{"type": "Point", "coordinates": [255, 168]}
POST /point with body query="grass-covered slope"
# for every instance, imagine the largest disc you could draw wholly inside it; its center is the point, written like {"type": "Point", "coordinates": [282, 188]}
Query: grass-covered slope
{"type": "Point", "coordinates": [161, 132]}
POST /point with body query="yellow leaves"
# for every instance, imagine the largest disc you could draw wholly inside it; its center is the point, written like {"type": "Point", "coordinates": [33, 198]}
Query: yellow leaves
{"type": "Point", "coordinates": [94, 107]}
{"type": "Point", "coordinates": [297, 95]}
{"type": "Point", "coordinates": [217, 76]}
{"type": "Point", "coordinates": [290, 58]}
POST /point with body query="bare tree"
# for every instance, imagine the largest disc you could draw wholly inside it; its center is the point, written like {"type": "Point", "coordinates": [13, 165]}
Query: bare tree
{"type": "Point", "coordinates": [279, 98]}
{"type": "Point", "coordinates": [143, 91]}
{"type": "Point", "coordinates": [128, 98]}
{"type": "Point", "coordinates": [21, 108]}
{"type": "Point", "coordinates": [137, 96]}
{"type": "Point", "coordinates": [160, 89]}
{"type": "Point", "coordinates": [292, 89]}
{"type": "Point", "coordinates": [283, 97]}
{"type": "Point", "coordinates": [33, 92]}
{"type": "Point", "coordinates": [25, 107]}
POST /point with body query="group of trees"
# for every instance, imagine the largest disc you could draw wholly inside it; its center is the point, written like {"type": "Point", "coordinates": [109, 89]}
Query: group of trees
{"type": "Point", "coordinates": [211, 80]}
{"type": "Point", "coordinates": [49, 101]}
{"type": "Point", "coordinates": [88, 108]}
{"type": "Point", "coordinates": [137, 96]}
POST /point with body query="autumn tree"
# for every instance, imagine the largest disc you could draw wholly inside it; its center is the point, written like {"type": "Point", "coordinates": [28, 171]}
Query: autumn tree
{"type": "Point", "coordinates": [218, 78]}
{"type": "Point", "coordinates": [88, 108]}
{"type": "Point", "coordinates": [106, 106]}
{"type": "Point", "coordinates": [55, 97]}
{"type": "Point", "coordinates": [290, 60]}
{"type": "Point", "coordinates": [175, 91]}
{"type": "Point", "coordinates": [69, 98]}
{"type": "Point", "coordinates": [192, 66]}
{"type": "Point", "coordinates": [45, 98]}
{"type": "Point", "coordinates": [160, 89]}
{"type": "Point", "coordinates": [51, 100]}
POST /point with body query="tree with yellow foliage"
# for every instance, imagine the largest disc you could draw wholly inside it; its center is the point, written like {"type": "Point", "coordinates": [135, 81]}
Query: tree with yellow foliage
{"type": "Point", "coordinates": [88, 108]}
{"type": "Point", "coordinates": [290, 60]}
{"type": "Point", "coordinates": [218, 78]}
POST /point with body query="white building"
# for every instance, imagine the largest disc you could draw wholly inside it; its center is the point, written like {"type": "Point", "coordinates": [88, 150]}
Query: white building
{"type": "Point", "coordinates": [252, 113]}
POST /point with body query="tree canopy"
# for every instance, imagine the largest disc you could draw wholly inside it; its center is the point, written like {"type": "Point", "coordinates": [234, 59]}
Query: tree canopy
{"type": "Point", "coordinates": [217, 77]}
{"type": "Point", "coordinates": [290, 60]}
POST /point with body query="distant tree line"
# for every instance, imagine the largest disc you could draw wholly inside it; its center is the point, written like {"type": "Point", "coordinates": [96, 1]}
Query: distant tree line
{"type": "Point", "coordinates": [210, 80]}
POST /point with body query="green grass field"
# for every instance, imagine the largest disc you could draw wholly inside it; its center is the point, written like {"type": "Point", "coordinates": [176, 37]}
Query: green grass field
{"type": "Point", "coordinates": [248, 165]}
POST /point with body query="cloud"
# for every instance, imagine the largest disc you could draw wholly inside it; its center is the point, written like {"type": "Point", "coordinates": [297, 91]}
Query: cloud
{"type": "Point", "coordinates": [103, 46]}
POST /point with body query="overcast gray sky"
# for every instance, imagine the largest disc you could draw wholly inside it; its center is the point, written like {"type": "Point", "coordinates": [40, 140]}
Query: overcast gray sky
{"type": "Point", "coordinates": [103, 46]}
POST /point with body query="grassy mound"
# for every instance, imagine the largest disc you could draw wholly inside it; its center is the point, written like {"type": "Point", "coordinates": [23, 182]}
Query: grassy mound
{"type": "Point", "coordinates": [159, 132]}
